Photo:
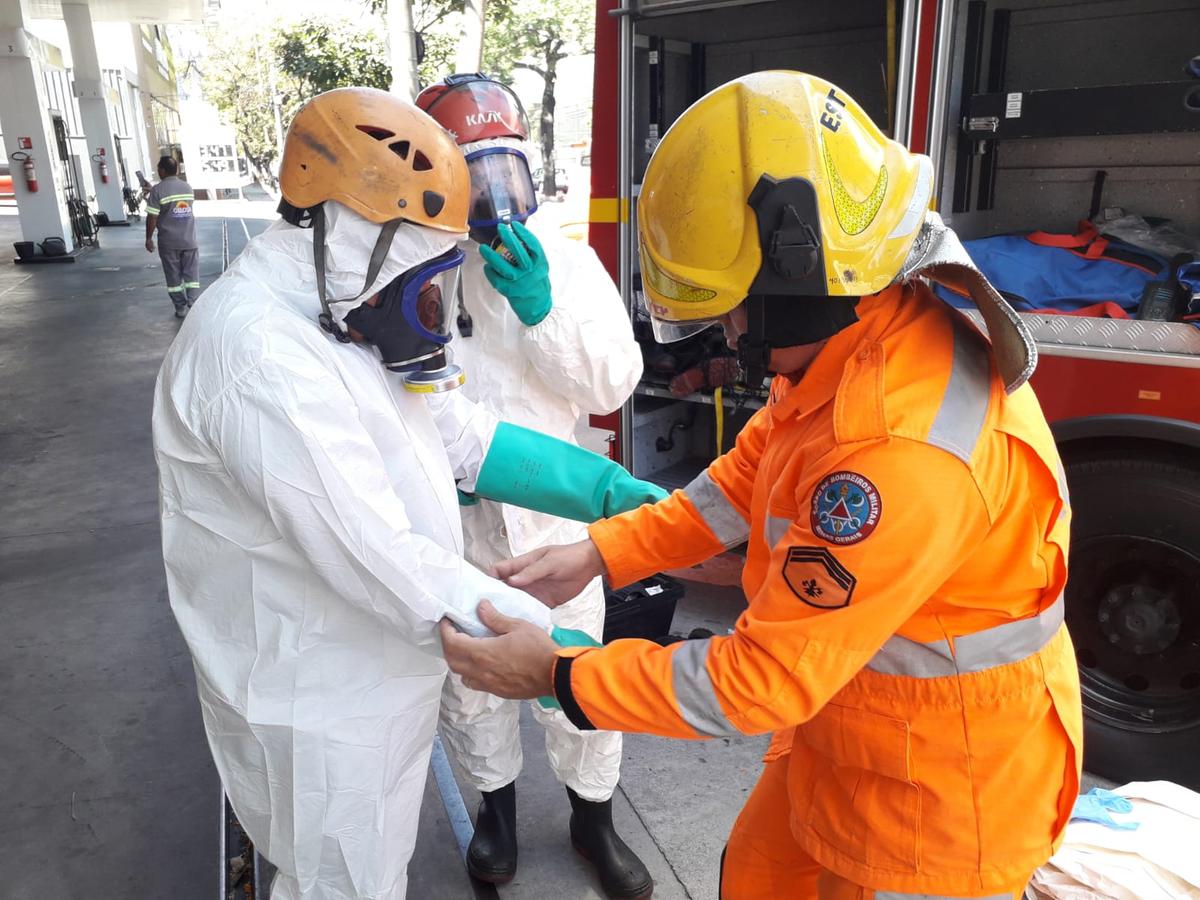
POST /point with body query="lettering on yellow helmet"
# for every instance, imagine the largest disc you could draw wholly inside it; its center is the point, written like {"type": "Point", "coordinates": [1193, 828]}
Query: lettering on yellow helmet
{"type": "Point", "coordinates": [855, 216]}
{"type": "Point", "coordinates": [670, 289]}
{"type": "Point", "coordinates": [832, 117]}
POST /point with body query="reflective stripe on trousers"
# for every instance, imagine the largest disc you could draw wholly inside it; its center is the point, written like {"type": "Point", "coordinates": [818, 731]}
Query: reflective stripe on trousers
{"type": "Point", "coordinates": [723, 519]}
{"type": "Point", "coordinates": [992, 647]}
{"type": "Point", "coordinates": [892, 895]}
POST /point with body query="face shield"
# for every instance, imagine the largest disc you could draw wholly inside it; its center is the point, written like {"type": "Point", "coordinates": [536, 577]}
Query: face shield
{"type": "Point", "coordinates": [668, 331]}
{"type": "Point", "coordinates": [410, 320]}
{"type": "Point", "coordinates": [668, 327]}
{"type": "Point", "coordinates": [502, 190]}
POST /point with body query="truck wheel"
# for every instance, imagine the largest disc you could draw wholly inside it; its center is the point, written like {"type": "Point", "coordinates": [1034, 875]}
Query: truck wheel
{"type": "Point", "coordinates": [1133, 610]}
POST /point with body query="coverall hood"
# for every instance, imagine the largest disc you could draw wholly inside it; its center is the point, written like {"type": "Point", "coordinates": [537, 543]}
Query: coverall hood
{"type": "Point", "coordinates": [350, 240]}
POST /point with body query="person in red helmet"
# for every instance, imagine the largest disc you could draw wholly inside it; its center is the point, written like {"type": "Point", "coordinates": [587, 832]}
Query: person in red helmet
{"type": "Point", "coordinates": [548, 325]}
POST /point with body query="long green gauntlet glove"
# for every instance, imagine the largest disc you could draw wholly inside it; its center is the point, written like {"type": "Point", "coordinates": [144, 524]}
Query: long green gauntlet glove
{"type": "Point", "coordinates": [567, 637]}
{"type": "Point", "coordinates": [535, 471]}
{"type": "Point", "coordinates": [524, 277]}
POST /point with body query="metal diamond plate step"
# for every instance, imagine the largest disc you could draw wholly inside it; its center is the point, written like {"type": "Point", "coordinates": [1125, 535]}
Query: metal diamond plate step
{"type": "Point", "coordinates": [1127, 340]}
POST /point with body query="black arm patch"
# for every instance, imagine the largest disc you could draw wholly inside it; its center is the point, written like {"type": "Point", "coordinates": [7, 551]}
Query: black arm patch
{"type": "Point", "coordinates": [817, 578]}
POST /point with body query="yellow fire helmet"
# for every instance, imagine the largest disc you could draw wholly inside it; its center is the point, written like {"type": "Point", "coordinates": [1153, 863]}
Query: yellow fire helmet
{"type": "Point", "coordinates": [778, 184]}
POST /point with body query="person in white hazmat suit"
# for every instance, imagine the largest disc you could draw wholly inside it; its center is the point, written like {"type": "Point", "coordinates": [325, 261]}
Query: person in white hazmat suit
{"type": "Point", "coordinates": [540, 315]}
{"type": "Point", "coordinates": [310, 523]}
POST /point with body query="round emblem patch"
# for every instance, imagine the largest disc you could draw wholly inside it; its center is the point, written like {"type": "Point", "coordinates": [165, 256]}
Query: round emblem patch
{"type": "Point", "coordinates": [845, 508]}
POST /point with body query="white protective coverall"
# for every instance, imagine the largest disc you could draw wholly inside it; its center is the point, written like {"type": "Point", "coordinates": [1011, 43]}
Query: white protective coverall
{"type": "Point", "coordinates": [312, 541]}
{"type": "Point", "coordinates": [582, 358]}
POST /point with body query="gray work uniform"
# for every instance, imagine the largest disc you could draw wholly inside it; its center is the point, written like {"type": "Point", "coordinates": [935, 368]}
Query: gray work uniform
{"type": "Point", "coordinates": [171, 200]}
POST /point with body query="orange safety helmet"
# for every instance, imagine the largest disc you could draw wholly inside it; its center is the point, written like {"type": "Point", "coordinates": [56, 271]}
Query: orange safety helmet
{"type": "Point", "coordinates": [473, 107]}
{"type": "Point", "coordinates": [378, 155]}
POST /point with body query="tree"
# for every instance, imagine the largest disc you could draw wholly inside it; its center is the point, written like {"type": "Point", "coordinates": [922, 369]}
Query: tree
{"type": "Point", "coordinates": [439, 26]}
{"type": "Point", "coordinates": [321, 55]}
{"type": "Point", "coordinates": [537, 35]}
{"type": "Point", "coordinates": [247, 72]}
{"type": "Point", "coordinates": [237, 80]}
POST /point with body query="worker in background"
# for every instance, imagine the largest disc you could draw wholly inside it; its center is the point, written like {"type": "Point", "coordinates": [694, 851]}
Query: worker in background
{"type": "Point", "coordinates": [310, 522]}
{"type": "Point", "coordinates": [169, 211]}
{"type": "Point", "coordinates": [542, 318]}
{"type": "Point", "coordinates": [905, 510]}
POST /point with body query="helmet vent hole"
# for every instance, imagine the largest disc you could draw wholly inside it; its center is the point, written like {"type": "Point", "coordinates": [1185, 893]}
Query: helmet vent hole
{"type": "Point", "coordinates": [400, 148]}
{"type": "Point", "coordinates": [421, 162]}
{"type": "Point", "coordinates": [380, 134]}
{"type": "Point", "coordinates": [304, 166]}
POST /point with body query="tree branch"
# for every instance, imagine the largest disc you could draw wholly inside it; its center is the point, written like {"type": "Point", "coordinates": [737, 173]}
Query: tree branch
{"type": "Point", "coordinates": [531, 67]}
{"type": "Point", "coordinates": [425, 26]}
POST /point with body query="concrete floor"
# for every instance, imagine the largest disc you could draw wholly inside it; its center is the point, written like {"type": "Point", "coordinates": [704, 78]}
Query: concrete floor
{"type": "Point", "coordinates": [108, 790]}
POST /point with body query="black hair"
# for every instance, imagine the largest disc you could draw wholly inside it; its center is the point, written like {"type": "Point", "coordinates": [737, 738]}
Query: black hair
{"type": "Point", "coordinates": [168, 166]}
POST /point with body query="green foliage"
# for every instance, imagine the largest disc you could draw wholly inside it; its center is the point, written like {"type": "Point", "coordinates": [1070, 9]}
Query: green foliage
{"type": "Point", "coordinates": [322, 55]}
{"type": "Point", "coordinates": [440, 47]}
{"type": "Point", "coordinates": [536, 34]}
{"type": "Point", "coordinates": [300, 61]}
{"type": "Point", "coordinates": [248, 69]}
{"type": "Point", "coordinates": [237, 80]}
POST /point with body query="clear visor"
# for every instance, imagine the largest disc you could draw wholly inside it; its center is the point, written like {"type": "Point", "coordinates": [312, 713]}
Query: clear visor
{"type": "Point", "coordinates": [430, 297]}
{"type": "Point", "coordinates": [501, 187]}
{"type": "Point", "coordinates": [667, 331]}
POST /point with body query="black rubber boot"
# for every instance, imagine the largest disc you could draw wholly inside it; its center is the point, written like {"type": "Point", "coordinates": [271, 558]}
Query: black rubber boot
{"type": "Point", "coordinates": [492, 854]}
{"type": "Point", "coordinates": [622, 874]}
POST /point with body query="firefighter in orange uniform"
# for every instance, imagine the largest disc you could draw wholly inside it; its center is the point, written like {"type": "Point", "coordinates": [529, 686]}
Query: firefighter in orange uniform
{"type": "Point", "coordinates": [906, 515]}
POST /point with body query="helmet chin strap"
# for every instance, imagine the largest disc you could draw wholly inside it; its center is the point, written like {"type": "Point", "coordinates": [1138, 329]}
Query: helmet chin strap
{"type": "Point", "coordinates": [753, 349]}
{"type": "Point", "coordinates": [383, 244]}
{"type": "Point", "coordinates": [793, 321]}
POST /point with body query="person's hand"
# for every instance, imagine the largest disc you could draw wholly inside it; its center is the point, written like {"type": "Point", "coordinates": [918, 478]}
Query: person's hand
{"type": "Point", "coordinates": [523, 277]}
{"type": "Point", "coordinates": [553, 574]}
{"type": "Point", "coordinates": [518, 664]}
{"type": "Point", "coordinates": [149, 245]}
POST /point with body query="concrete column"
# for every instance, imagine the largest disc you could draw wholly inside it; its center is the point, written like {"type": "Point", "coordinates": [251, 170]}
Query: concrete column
{"type": "Point", "coordinates": [402, 41]}
{"type": "Point", "coordinates": [88, 88]}
{"type": "Point", "coordinates": [23, 114]}
{"type": "Point", "coordinates": [469, 57]}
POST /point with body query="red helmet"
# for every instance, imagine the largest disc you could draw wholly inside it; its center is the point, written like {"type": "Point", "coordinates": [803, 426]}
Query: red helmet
{"type": "Point", "coordinates": [475, 108]}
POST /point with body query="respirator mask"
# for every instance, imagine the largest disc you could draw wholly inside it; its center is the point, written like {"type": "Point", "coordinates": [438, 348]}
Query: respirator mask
{"type": "Point", "coordinates": [409, 322]}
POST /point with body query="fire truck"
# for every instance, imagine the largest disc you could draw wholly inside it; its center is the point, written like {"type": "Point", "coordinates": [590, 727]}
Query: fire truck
{"type": "Point", "coordinates": [1021, 104]}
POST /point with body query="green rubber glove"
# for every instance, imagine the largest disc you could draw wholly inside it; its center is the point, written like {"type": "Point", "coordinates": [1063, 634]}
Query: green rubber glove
{"type": "Point", "coordinates": [567, 637]}
{"type": "Point", "coordinates": [525, 279]}
{"type": "Point", "coordinates": [535, 471]}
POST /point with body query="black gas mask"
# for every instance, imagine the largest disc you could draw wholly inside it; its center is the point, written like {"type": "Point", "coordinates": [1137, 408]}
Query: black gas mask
{"type": "Point", "coordinates": [410, 323]}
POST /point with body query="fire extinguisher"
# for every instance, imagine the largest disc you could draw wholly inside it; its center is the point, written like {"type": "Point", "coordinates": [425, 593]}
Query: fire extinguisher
{"type": "Point", "coordinates": [103, 163]}
{"type": "Point", "coordinates": [31, 179]}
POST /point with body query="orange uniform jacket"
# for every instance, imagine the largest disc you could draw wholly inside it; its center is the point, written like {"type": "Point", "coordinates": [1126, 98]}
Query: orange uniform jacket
{"type": "Point", "coordinates": [908, 525]}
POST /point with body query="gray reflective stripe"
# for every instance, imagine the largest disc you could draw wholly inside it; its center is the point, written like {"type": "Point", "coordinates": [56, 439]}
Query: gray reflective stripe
{"type": "Point", "coordinates": [892, 895]}
{"type": "Point", "coordinates": [721, 516]}
{"type": "Point", "coordinates": [964, 406]}
{"type": "Point", "coordinates": [776, 528]}
{"type": "Point", "coordinates": [1062, 490]}
{"type": "Point", "coordinates": [997, 646]}
{"type": "Point", "coordinates": [698, 704]}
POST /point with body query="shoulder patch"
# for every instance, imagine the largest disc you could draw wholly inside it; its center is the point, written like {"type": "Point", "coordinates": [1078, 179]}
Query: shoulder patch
{"type": "Point", "coordinates": [817, 578]}
{"type": "Point", "coordinates": [845, 508]}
